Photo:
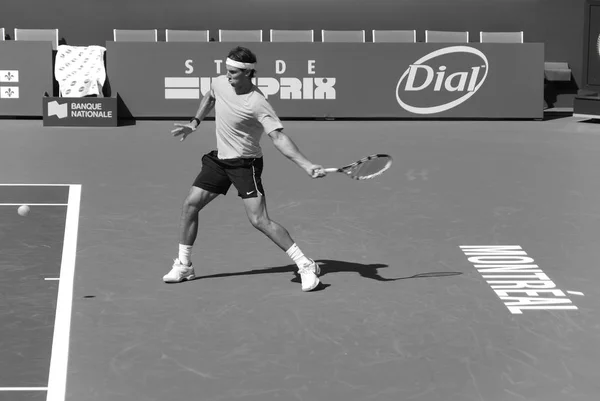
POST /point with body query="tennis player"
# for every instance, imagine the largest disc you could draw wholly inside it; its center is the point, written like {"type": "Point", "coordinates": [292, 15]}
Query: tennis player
{"type": "Point", "coordinates": [242, 114]}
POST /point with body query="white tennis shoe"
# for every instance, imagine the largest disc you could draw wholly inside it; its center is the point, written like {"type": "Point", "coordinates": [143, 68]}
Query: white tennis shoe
{"type": "Point", "coordinates": [308, 275]}
{"type": "Point", "coordinates": [179, 272]}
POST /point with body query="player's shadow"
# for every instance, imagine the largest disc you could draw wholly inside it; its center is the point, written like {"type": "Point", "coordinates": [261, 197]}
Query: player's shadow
{"type": "Point", "coordinates": [370, 271]}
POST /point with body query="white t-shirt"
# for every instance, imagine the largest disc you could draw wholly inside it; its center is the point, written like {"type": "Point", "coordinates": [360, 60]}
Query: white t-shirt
{"type": "Point", "coordinates": [241, 120]}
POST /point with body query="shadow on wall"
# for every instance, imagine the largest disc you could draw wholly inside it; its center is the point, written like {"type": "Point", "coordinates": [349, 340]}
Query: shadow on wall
{"type": "Point", "coordinates": [560, 86]}
{"type": "Point", "coordinates": [555, 92]}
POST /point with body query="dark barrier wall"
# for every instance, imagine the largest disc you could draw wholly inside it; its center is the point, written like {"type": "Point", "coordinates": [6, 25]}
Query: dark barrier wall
{"type": "Point", "coordinates": [314, 80]}
{"type": "Point", "coordinates": [556, 23]}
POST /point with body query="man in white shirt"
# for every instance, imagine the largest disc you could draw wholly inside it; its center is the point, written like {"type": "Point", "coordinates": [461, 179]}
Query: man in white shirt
{"type": "Point", "coordinates": [242, 114]}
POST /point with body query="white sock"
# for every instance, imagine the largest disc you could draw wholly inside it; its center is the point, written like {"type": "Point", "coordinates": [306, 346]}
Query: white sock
{"type": "Point", "coordinates": [185, 254]}
{"type": "Point", "coordinates": [297, 256]}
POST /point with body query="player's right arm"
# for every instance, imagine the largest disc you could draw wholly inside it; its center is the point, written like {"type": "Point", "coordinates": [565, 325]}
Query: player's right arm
{"type": "Point", "coordinates": [206, 105]}
{"type": "Point", "coordinates": [289, 149]}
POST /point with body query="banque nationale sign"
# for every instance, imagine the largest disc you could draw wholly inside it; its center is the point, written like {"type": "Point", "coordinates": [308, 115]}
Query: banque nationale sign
{"type": "Point", "coordinates": [80, 112]}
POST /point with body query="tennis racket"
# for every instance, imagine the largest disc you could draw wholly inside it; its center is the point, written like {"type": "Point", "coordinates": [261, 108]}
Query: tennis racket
{"type": "Point", "coordinates": [365, 168]}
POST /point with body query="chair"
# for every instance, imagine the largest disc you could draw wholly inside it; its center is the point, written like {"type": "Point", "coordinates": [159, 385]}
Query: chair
{"type": "Point", "coordinates": [343, 36]}
{"type": "Point", "coordinates": [286, 35]}
{"type": "Point", "coordinates": [446, 37]}
{"type": "Point", "coordinates": [402, 36]}
{"type": "Point", "coordinates": [557, 71]}
{"type": "Point", "coordinates": [178, 35]}
{"type": "Point", "coordinates": [501, 37]}
{"type": "Point", "coordinates": [250, 35]}
{"type": "Point", "coordinates": [39, 35]}
{"type": "Point", "coordinates": [135, 35]}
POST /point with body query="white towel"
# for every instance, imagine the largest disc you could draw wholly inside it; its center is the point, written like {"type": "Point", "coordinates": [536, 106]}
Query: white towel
{"type": "Point", "coordinates": [80, 70]}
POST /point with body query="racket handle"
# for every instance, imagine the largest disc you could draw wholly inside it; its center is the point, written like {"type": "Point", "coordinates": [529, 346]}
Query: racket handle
{"type": "Point", "coordinates": [330, 170]}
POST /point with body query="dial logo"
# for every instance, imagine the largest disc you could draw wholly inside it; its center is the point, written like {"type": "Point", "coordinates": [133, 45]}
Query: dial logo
{"type": "Point", "coordinates": [442, 80]}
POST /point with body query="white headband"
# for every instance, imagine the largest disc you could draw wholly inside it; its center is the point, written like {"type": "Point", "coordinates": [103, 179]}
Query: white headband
{"type": "Point", "coordinates": [242, 66]}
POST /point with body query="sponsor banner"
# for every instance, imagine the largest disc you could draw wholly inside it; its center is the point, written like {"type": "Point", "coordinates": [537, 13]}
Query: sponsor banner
{"type": "Point", "coordinates": [358, 80]}
{"type": "Point", "coordinates": [25, 74]}
{"type": "Point", "coordinates": [80, 112]}
{"type": "Point", "coordinates": [454, 80]}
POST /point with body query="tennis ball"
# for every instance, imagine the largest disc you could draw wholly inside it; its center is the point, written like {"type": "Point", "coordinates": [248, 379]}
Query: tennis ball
{"type": "Point", "coordinates": [23, 210]}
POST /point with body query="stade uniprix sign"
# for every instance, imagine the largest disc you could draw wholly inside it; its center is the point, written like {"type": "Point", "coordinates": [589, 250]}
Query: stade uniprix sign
{"type": "Point", "coordinates": [307, 87]}
{"type": "Point", "coordinates": [339, 80]}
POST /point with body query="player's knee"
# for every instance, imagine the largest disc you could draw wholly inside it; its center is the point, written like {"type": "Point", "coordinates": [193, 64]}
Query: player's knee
{"type": "Point", "coordinates": [190, 206]}
{"type": "Point", "coordinates": [259, 222]}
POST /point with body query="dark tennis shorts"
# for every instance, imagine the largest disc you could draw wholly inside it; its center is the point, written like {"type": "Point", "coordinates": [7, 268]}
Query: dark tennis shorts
{"type": "Point", "coordinates": [244, 173]}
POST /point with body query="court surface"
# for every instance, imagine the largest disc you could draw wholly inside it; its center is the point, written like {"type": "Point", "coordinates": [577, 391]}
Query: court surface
{"type": "Point", "coordinates": [407, 310]}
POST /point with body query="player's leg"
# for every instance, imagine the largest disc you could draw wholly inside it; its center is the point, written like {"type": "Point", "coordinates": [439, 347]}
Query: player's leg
{"type": "Point", "coordinates": [245, 174]}
{"type": "Point", "coordinates": [210, 183]}
{"type": "Point", "coordinates": [247, 180]}
{"type": "Point", "coordinates": [196, 200]}
{"type": "Point", "coordinates": [182, 268]}
{"type": "Point", "coordinates": [256, 209]}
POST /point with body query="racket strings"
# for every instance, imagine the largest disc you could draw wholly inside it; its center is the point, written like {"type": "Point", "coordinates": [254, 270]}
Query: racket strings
{"type": "Point", "coordinates": [370, 168]}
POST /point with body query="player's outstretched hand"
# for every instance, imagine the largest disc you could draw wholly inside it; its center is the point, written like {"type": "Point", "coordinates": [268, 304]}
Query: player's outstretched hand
{"type": "Point", "coordinates": [183, 129]}
{"type": "Point", "coordinates": [317, 171]}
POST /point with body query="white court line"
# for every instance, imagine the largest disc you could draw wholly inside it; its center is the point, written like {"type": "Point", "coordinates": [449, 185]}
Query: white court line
{"type": "Point", "coordinates": [57, 380]}
{"type": "Point", "coordinates": [23, 388]}
{"type": "Point", "coordinates": [34, 185]}
{"type": "Point", "coordinates": [34, 204]}
{"type": "Point", "coordinates": [51, 278]}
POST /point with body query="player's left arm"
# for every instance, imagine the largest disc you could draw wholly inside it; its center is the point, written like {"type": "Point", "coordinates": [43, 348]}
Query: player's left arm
{"type": "Point", "coordinates": [206, 105]}
{"type": "Point", "coordinates": [289, 149]}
